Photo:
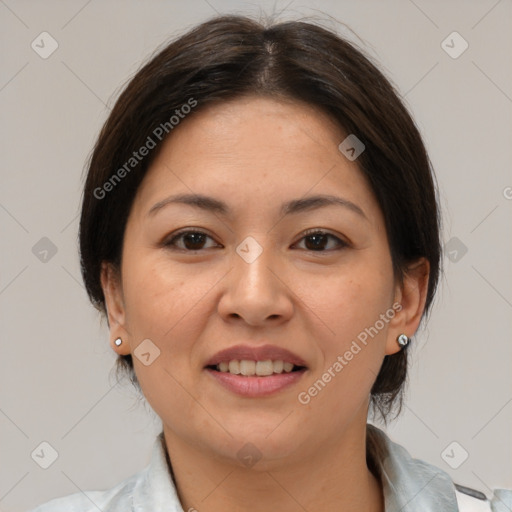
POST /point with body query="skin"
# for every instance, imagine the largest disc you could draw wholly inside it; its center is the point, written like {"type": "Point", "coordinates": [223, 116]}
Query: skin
{"type": "Point", "coordinates": [255, 153]}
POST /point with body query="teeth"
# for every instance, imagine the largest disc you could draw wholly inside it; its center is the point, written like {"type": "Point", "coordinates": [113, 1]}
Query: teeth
{"type": "Point", "coordinates": [278, 366]}
{"type": "Point", "coordinates": [234, 367]}
{"type": "Point", "coordinates": [247, 368]}
{"type": "Point", "coordinates": [259, 368]}
{"type": "Point", "coordinates": [264, 368]}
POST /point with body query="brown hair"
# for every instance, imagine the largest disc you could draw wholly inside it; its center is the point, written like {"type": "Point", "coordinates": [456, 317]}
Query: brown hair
{"type": "Point", "coordinates": [230, 56]}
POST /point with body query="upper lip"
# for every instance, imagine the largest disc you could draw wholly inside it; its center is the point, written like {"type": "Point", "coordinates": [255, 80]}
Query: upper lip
{"type": "Point", "coordinates": [260, 353]}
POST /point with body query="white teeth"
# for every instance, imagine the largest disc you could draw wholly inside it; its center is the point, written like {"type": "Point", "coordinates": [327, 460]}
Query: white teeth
{"type": "Point", "coordinates": [247, 367]}
{"type": "Point", "coordinates": [234, 367]}
{"type": "Point", "coordinates": [288, 367]}
{"type": "Point", "coordinates": [260, 368]}
{"type": "Point", "coordinates": [264, 368]}
{"type": "Point", "coordinates": [278, 366]}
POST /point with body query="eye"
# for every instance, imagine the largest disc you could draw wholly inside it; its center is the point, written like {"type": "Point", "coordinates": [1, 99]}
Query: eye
{"type": "Point", "coordinates": [191, 240]}
{"type": "Point", "coordinates": [317, 240]}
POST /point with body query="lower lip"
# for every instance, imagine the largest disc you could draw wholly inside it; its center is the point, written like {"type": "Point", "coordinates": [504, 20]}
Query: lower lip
{"type": "Point", "coordinates": [254, 386]}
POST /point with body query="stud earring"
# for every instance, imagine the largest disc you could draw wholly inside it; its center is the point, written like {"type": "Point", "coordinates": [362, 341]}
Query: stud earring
{"type": "Point", "coordinates": [118, 342]}
{"type": "Point", "coordinates": [403, 340]}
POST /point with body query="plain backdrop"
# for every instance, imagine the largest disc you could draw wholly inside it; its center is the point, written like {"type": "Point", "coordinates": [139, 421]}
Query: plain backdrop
{"type": "Point", "coordinates": [55, 367]}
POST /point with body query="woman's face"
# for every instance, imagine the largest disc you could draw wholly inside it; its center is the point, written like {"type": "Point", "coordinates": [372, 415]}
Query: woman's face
{"type": "Point", "coordinates": [243, 269]}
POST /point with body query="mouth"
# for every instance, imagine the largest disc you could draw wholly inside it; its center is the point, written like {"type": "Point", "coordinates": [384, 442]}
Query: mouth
{"type": "Point", "coordinates": [256, 371]}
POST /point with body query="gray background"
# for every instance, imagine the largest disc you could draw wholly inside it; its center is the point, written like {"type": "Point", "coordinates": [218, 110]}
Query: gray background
{"type": "Point", "coordinates": [55, 365]}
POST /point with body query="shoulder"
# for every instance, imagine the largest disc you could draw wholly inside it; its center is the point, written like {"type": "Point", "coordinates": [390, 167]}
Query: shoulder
{"type": "Point", "coordinates": [412, 484]}
{"type": "Point", "coordinates": [150, 489]}
{"type": "Point", "coordinates": [116, 499]}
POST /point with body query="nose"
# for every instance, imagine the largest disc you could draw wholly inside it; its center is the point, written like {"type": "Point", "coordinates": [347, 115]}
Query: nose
{"type": "Point", "coordinates": [256, 292]}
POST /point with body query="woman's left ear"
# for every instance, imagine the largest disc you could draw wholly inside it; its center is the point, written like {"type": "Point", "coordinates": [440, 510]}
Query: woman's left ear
{"type": "Point", "coordinates": [411, 294]}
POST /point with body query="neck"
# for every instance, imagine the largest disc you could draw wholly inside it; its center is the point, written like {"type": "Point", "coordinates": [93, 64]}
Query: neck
{"type": "Point", "coordinates": [331, 477]}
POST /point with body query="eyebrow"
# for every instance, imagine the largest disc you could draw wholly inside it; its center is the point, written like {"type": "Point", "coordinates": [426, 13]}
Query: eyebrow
{"type": "Point", "coordinates": [290, 207]}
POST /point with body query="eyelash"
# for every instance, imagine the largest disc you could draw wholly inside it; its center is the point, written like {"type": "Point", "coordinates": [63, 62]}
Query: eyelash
{"type": "Point", "coordinates": [172, 245]}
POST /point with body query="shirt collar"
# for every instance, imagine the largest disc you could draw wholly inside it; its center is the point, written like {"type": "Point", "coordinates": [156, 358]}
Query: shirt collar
{"type": "Point", "coordinates": [408, 484]}
{"type": "Point", "coordinates": [156, 489]}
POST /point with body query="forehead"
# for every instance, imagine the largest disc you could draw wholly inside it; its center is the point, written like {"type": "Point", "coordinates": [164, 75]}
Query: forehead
{"type": "Point", "coordinates": [259, 126]}
{"type": "Point", "coordinates": [255, 150]}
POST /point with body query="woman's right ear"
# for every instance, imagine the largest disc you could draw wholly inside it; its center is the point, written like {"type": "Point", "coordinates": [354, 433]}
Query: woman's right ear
{"type": "Point", "coordinates": [114, 303]}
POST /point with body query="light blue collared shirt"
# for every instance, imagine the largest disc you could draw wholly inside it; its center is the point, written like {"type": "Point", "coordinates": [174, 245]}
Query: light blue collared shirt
{"type": "Point", "coordinates": [409, 485]}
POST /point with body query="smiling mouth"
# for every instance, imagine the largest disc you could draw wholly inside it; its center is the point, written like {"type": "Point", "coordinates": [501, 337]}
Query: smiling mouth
{"type": "Point", "coordinates": [248, 368]}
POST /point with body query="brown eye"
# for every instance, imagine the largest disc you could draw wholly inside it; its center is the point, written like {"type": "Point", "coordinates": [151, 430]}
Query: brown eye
{"type": "Point", "coordinates": [190, 241]}
{"type": "Point", "coordinates": [319, 240]}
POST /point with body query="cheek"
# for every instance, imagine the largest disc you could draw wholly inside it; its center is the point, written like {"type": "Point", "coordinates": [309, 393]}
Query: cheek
{"type": "Point", "coordinates": [164, 304]}
{"type": "Point", "coordinates": [169, 304]}
{"type": "Point", "coordinates": [351, 338]}
{"type": "Point", "coordinates": [351, 350]}
{"type": "Point", "coordinates": [159, 296]}
{"type": "Point", "coordinates": [349, 301]}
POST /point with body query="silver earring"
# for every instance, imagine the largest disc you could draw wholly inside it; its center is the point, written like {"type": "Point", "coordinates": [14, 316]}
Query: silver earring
{"type": "Point", "coordinates": [118, 342]}
{"type": "Point", "coordinates": [403, 340]}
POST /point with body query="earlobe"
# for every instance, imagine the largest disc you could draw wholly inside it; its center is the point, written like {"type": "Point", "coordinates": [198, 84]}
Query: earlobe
{"type": "Point", "coordinates": [412, 295]}
{"type": "Point", "coordinates": [114, 304]}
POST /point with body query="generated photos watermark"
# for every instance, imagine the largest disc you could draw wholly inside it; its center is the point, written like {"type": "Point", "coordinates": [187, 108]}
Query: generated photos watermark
{"type": "Point", "coordinates": [159, 134]}
{"type": "Point", "coordinates": [304, 397]}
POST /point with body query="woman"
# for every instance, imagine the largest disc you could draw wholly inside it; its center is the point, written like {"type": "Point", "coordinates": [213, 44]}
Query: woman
{"type": "Point", "coordinates": [260, 227]}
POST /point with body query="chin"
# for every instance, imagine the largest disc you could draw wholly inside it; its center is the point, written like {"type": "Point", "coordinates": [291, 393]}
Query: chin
{"type": "Point", "coordinates": [259, 446]}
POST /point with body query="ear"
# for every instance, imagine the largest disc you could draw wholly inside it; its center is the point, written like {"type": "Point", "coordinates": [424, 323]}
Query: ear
{"type": "Point", "coordinates": [114, 303]}
{"type": "Point", "coordinates": [411, 294]}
